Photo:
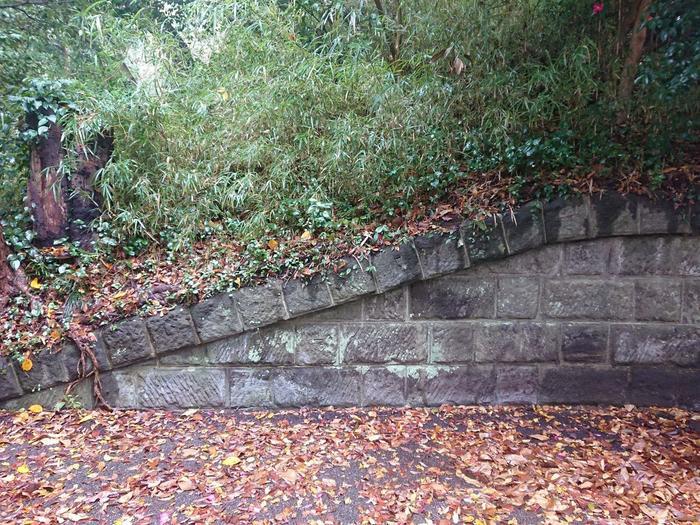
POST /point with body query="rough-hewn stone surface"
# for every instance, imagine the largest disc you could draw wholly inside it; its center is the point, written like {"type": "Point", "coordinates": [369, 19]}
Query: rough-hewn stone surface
{"type": "Point", "coordinates": [601, 304]}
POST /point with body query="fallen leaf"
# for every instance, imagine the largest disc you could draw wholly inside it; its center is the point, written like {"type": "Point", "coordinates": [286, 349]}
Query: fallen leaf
{"type": "Point", "coordinates": [23, 469]}
{"type": "Point", "coordinates": [306, 235]}
{"type": "Point", "coordinates": [231, 461]}
{"type": "Point", "coordinates": [27, 364]}
{"type": "Point", "coordinates": [35, 284]}
{"type": "Point", "coordinates": [185, 484]}
{"type": "Point", "coordinates": [36, 409]}
{"type": "Point", "coordinates": [272, 244]}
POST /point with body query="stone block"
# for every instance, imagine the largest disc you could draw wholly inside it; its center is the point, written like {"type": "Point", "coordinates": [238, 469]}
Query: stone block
{"type": "Point", "coordinates": [351, 311]}
{"type": "Point", "coordinates": [691, 302]}
{"type": "Point", "coordinates": [588, 257]}
{"type": "Point", "coordinates": [127, 342]}
{"type": "Point", "coordinates": [566, 219]}
{"type": "Point", "coordinates": [351, 282]}
{"type": "Point", "coordinates": [415, 385]}
{"type": "Point", "coordinates": [302, 297]}
{"type": "Point", "coordinates": [394, 267]}
{"type": "Point", "coordinates": [541, 261]}
{"type": "Point", "coordinates": [182, 388]}
{"type": "Point", "coordinates": [48, 369]}
{"type": "Point", "coordinates": [120, 388]}
{"type": "Point", "coordinates": [441, 254]}
{"type": "Point", "coordinates": [686, 252]}
{"type": "Point", "coordinates": [387, 306]}
{"type": "Point", "coordinates": [515, 342]}
{"type": "Point", "coordinates": [656, 344]}
{"type": "Point", "coordinates": [383, 343]}
{"type": "Point", "coordinates": [195, 356]}
{"type": "Point", "coordinates": [384, 386]}
{"type": "Point", "coordinates": [660, 216]}
{"type": "Point", "coordinates": [460, 385]}
{"type": "Point", "coordinates": [584, 343]}
{"type": "Point", "coordinates": [524, 229]}
{"type": "Point", "coordinates": [101, 355]}
{"type": "Point", "coordinates": [644, 256]}
{"type": "Point", "coordinates": [452, 343]}
{"type": "Point", "coordinates": [250, 388]}
{"type": "Point", "coordinates": [316, 344]}
{"type": "Point", "coordinates": [517, 297]}
{"type": "Point", "coordinates": [55, 398]}
{"type": "Point", "coordinates": [270, 346]}
{"type": "Point", "coordinates": [598, 299]}
{"type": "Point", "coordinates": [516, 384]}
{"type": "Point", "coordinates": [658, 300]}
{"type": "Point", "coordinates": [294, 387]}
{"type": "Point", "coordinates": [583, 384]}
{"type": "Point", "coordinates": [9, 385]}
{"type": "Point", "coordinates": [695, 218]}
{"type": "Point", "coordinates": [216, 318]}
{"type": "Point", "coordinates": [484, 241]}
{"type": "Point", "coordinates": [665, 386]}
{"type": "Point", "coordinates": [172, 331]}
{"type": "Point", "coordinates": [453, 297]}
{"type": "Point", "coordinates": [613, 214]}
{"type": "Point", "coordinates": [260, 305]}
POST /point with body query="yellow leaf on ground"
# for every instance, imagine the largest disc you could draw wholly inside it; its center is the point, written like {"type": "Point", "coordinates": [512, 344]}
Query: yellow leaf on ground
{"type": "Point", "coordinates": [23, 469]}
{"type": "Point", "coordinates": [35, 284]}
{"type": "Point", "coordinates": [231, 461]}
{"type": "Point", "coordinates": [306, 235]}
{"type": "Point", "coordinates": [272, 244]}
{"type": "Point", "coordinates": [27, 364]}
{"type": "Point", "coordinates": [36, 409]}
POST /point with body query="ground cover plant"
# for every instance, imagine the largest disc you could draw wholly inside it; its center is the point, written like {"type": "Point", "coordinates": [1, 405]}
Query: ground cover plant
{"type": "Point", "coordinates": [158, 152]}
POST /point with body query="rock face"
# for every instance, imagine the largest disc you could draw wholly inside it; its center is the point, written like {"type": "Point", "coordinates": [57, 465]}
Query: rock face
{"type": "Point", "coordinates": [582, 301]}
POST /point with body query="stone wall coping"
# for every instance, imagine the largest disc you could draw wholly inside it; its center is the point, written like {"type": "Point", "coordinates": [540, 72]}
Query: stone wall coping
{"type": "Point", "coordinates": [421, 258]}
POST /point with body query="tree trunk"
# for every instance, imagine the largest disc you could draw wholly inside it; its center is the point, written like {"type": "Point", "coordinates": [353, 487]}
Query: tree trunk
{"type": "Point", "coordinates": [634, 55]}
{"type": "Point", "coordinates": [46, 188]}
{"type": "Point", "coordinates": [11, 282]}
{"type": "Point", "coordinates": [83, 201]}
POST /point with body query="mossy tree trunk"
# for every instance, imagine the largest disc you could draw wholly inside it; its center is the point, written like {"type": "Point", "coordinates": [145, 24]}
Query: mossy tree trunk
{"type": "Point", "coordinates": [11, 282]}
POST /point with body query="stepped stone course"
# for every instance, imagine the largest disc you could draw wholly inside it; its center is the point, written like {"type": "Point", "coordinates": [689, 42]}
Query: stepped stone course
{"type": "Point", "coordinates": [588, 300]}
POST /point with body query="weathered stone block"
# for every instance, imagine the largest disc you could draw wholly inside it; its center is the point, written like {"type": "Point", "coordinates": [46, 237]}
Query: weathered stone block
{"type": "Point", "coordinates": [250, 388]}
{"type": "Point", "coordinates": [303, 297]}
{"type": "Point", "coordinates": [686, 251]}
{"type": "Point", "coordinates": [584, 343]}
{"type": "Point", "coordinates": [516, 384]}
{"type": "Point", "coordinates": [120, 387]}
{"type": "Point", "coordinates": [695, 217]}
{"type": "Point", "coordinates": [613, 214]}
{"type": "Point", "coordinates": [453, 297]}
{"type": "Point", "coordinates": [383, 343]}
{"type": "Point", "coordinates": [452, 343]}
{"type": "Point", "coordinates": [292, 387]}
{"type": "Point", "coordinates": [644, 256]}
{"type": "Point", "coordinates": [271, 346]}
{"type": "Point", "coordinates": [517, 297]}
{"type": "Point", "coordinates": [351, 282]}
{"type": "Point", "coordinates": [216, 318]}
{"type": "Point", "coordinates": [566, 219]}
{"type": "Point", "coordinates": [664, 386]}
{"type": "Point", "coordinates": [460, 385]}
{"type": "Point", "coordinates": [660, 216]}
{"type": "Point", "coordinates": [691, 302]}
{"type": "Point", "coordinates": [351, 311]}
{"type": "Point", "coordinates": [384, 386]}
{"type": "Point", "coordinates": [386, 306]}
{"type": "Point", "coordinates": [583, 384]}
{"type": "Point", "coordinates": [396, 267]}
{"type": "Point", "coordinates": [587, 258]}
{"type": "Point", "coordinates": [101, 355]}
{"type": "Point", "coordinates": [588, 299]}
{"type": "Point", "coordinates": [524, 229]}
{"type": "Point", "coordinates": [9, 385]}
{"type": "Point", "coordinates": [55, 398]}
{"type": "Point", "coordinates": [183, 388]}
{"type": "Point", "coordinates": [316, 344]}
{"type": "Point", "coordinates": [260, 305]}
{"type": "Point", "coordinates": [48, 370]}
{"type": "Point", "coordinates": [441, 254]}
{"type": "Point", "coordinates": [484, 242]}
{"type": "Point", "coordinates": [186, 357]}
{"type": "Point", "coordinates": [172, 331]}
{"type": "Point", "coordinates": [657, 344]}
{"type": "Point", "coordinates": [515, 342]}
{"type": "Point", "coordinates": [543, 261]}
{"type": "Point", "coordinates": [658, 300]}
{"type": "Point", "coordinates": [127, 342]}
{"type": "Point", "coordinates": [415, 385]}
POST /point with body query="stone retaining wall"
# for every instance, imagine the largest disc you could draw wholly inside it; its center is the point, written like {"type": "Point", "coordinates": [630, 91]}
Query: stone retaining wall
{"type": "Point", "coordinates": [571, 302]}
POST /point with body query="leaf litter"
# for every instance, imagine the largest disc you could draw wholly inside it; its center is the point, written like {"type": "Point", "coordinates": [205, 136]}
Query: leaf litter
{"type": "Point", "coordinates": [437, 466]}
